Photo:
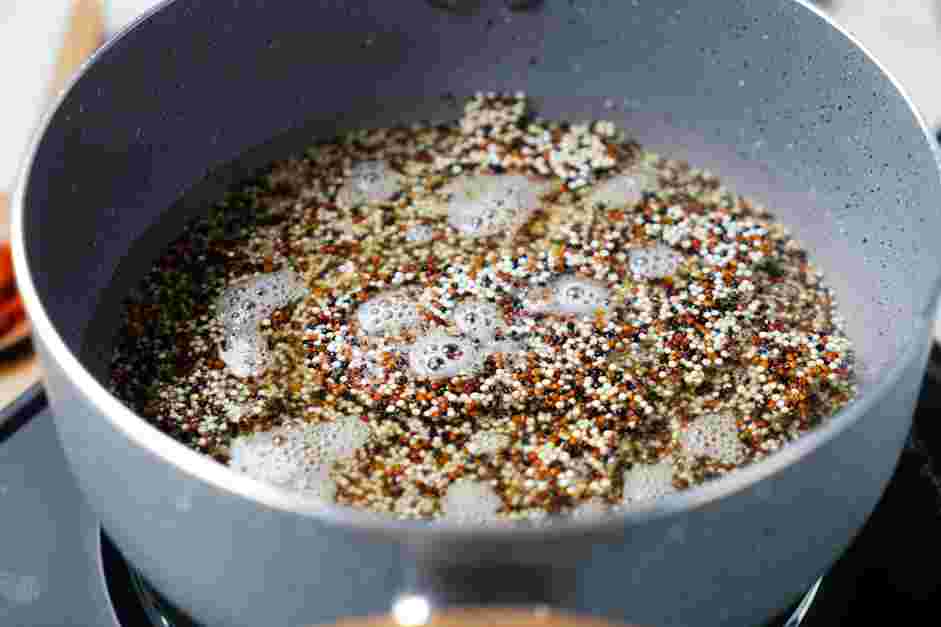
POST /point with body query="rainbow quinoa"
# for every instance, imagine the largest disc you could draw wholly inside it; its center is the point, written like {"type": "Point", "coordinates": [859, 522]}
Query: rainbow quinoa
{"type": "Point", "coordinates": [499, 318]}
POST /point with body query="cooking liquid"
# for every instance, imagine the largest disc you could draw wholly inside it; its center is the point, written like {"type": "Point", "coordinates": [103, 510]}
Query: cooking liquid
{"type": "Point", "coordinates": [505, 318]}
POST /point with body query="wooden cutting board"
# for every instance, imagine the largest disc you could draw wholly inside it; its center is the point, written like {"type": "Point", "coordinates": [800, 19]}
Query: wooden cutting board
{"type": "Point", "coordinates": [19, 368]}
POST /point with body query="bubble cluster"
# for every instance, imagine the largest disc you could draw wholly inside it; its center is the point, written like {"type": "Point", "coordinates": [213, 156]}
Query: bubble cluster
{"type": "Point", "coordinates": [624, 189]}
{"type": "Point", "coordinates": [654, 262]}
{"type": "Point", "coordinates": [240, 309]}
{"type": "Point", "coordinates": [298, 457]}
{"type": "Point", "coordinates": [470, 502]}
{"type": "Point", "coordinates": [419, 233]}
{"type": "Point", "coordinates": [576, 296]}
{"type": "Point", "coordinates": [508, 347]}
{"type": "Point", "coordinates": [369, 182]}
{"type": "Point", "coordinates": [478, 320]}
{"type": "Point", "coordinates": [648, 481]}
{"type": "Point", "coordinates": [368, 363]}
{"type": "Point", "coordinates": [337, 439]}
{"type": "Point", "coordinates": [245, 354]}
{"type": "Point", "coordinates": [387, 313]}
{"type": "Point", "coordinates": [440, 355]}
{"type": "Point", "coordinates": [247, 301]}
{"type": "Point", "coordinates": [484, 205]}
{"type": "Point", "coordinates": [714, 436]}
{"type": "Point", "coordinates": [487, 443]}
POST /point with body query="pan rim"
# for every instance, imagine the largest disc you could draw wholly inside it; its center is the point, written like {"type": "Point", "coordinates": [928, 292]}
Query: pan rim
{"type": "Point", "coordinates": [220, 477]}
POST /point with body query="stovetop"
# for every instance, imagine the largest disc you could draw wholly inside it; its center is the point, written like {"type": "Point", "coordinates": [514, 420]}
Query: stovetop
{"type": "Point", "coordinates": [58, 569]}
{"type": "Point", "coordinates": [894, 565]}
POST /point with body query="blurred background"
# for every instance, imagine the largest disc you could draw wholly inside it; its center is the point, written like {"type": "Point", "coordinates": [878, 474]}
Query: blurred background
{"type": "Point", "coordinates": [43, 42]}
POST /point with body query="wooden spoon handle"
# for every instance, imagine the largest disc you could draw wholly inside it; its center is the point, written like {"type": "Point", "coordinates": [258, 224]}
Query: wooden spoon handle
{"type": "Point", "coordinates": [84, 33]}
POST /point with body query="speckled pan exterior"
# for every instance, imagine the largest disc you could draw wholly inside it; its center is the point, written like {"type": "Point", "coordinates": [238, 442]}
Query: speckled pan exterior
{"type": "Point", "coordinates": [786, 106]}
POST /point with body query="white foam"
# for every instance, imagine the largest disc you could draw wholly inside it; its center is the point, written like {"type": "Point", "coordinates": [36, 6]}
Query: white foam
{"type": "Point", "coordinates": [387, 313]}
{"type": "Point", "coordinates": [469, 501]}
{"type": "Point", "coordinates": [369, 182]}
{"type": "Point", "coordinates": [487, 443]}
{"type": "Point", "coordinates": [299, 457]}
{"type": "Point", "coordinates": [369, 362]}
{"type": "Point", "coordinates": [240, 309]}
{"type": "Point", "coordinates": [419, 233]}
{"type": "Point", "coordinates": [247, 301]}
{"type": "Point", "coordinates": [714, 436]}
{"type": "Point", "coordinates": [440, 355]}
{"type": "Point", "coordinates": [482, 205]}
{"type": "Point", "coordinates": [339, 438]}
{"type": "Point", "coordinates": [245, 355]}
{"type": "Point", "coordinates": [648, 481]}
{"type": "Point", "coordinates": [654, 262]}
{"type": "Point", "coordinates": [624, 189]}
{"type": "Point", "coordinates": [508, 347]}
{"type": "Point", "coordinates": [578, 297]}
{"type": "Point", "coordinates": [478, 320]}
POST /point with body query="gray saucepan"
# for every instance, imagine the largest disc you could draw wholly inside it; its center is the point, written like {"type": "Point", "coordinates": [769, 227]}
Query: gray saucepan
{"type": "Point", "coordinates": [768, 93]}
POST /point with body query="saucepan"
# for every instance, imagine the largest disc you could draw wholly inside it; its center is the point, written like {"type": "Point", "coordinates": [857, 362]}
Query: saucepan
{"type": "Point", "coordinates": [785, 105]}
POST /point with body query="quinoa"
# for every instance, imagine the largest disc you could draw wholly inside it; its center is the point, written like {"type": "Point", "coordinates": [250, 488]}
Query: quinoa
{"type": "Point", "coordinates": [541, 313]}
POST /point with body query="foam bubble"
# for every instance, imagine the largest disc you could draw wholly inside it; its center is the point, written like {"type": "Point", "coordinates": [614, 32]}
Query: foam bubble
{"type": "Point", "coordinates": [242, 306]}
{"type": "Point", "coordinates": [369, 362]}
{"type": "Point", "coordinates": [258, 456]}
{"type": "Point", "coordinates": [387, 313]}
{"type": "Point", "coordinates": [715, 436]}
{"type": "Point", "coordinates": [576, 296]}
{"type": "Point", "coordinates": [648, 481]}
{"type": "Point", "coordinates": [339, 438]}
{"type": "Point", "coordinates": [624, 189]}
{"type": "Point", "coordinates": [487, 443]}
{"type": "Point", "coordinates": [654, 262]}
{"type": "Point", "coordinates": [299, 457]}
{"type": "Point", "coordinates": [440, 355]}
{"type": "Point", "coordinates": [478, 320]}
{"type": "Point", "coordinates": [245, 355]}
{"type": "Point", "coordinates": [482, 205]}
{"type": "Point", "coordinates": [368, 182]}
{"type": "Point", "coordinates": [469, 501]}
{"type": "Point", "coordinates": [508, 347]}
{"type": "Point", "coordinates": [419, 233]}
{"type": "Point", "coordinates": [247, 301]}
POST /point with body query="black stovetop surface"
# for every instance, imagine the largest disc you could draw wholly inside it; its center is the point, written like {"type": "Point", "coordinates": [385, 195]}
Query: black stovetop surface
{"type": "Point", "coordinates": [893, 568]}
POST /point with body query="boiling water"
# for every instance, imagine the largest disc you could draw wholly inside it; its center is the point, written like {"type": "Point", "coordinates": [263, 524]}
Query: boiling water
{"type": "Point", "coordinates": [501, 319]}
